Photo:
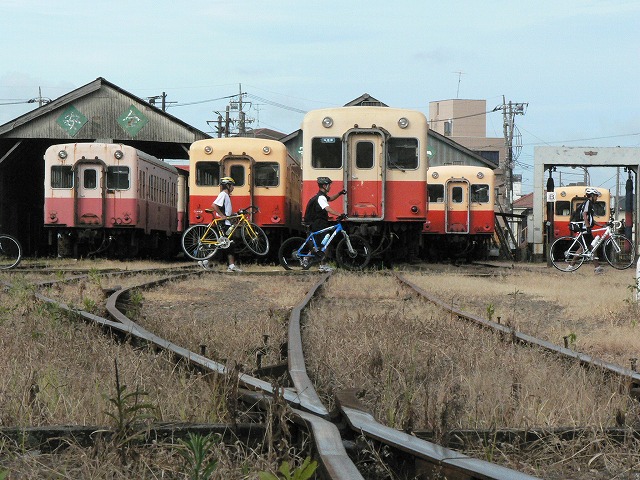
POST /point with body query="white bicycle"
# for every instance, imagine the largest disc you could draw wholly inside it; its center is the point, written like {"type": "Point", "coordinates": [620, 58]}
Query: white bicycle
{"type": "Point", "coordinates": [569, 253]}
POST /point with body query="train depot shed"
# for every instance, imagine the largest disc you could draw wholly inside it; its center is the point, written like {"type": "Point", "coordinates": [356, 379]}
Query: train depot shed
{"type": "Point", "coordinates": [548, 158]}
{"type": "Point", "coordinates": [97, 112]}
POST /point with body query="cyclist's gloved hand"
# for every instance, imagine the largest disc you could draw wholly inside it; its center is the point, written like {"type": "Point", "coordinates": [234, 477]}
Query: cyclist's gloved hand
{"type": "Point", "coordinates": [343, 192]}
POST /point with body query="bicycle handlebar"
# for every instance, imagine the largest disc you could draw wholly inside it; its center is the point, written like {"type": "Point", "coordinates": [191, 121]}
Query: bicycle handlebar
{"type": "Point", "coordinates": [249, 209]}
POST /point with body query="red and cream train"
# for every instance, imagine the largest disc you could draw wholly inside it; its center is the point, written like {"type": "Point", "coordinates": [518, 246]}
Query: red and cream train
{"type": "Point", "coordinates": [100, 196]}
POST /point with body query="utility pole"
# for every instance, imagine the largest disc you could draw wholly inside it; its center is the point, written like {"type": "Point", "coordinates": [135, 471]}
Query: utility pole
{"type": "Point", "coordinates": [242, 120]}
{"type": "Point", "coordinates": [163, 103]}
{"type": "Point", "coordinates": [40, 99]}
{"type": "Point", "coordinates": [509, 111]}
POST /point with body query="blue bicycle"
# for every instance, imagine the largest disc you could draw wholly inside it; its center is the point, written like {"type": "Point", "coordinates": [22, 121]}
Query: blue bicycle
{"type": "Point", "coordinates": [352, 252]}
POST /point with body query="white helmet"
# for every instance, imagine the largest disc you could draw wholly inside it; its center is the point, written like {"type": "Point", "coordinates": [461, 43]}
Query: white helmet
{"type": "Point", "coordinates": [592, 191]}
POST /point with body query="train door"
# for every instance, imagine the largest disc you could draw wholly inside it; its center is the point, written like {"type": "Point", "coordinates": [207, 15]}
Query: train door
{"type": "Point", "coordinates": [364, 175]}
{"type": "Point", "coordinates": [89, 184]}
{"type": "Point", "coordinates": [457, 206]}
{"type": "Point", "coordinates": [240, 169]}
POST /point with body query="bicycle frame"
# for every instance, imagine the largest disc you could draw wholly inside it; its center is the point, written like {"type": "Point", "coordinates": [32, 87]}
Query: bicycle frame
{"type": "Point", "coordinates": [337, 228]}
{"type": "Point", "coordinates": [220, 227]}
{"type": "Point", "coordinates": [587, 253]}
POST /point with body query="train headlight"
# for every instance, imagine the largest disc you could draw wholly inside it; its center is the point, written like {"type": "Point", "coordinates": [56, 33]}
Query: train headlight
{"type": "Point", "coordinates": [118, 154]}
{"type": "Point", "coordinates": [435, 175]}
{"type": "Point", "coordinates": [480, 175]}
{"type": "Point", "coordinates": [403, 122]}
{"type": "Point", "coordinates": [62, 154]}
{"type": "Point", "coordinates": [327, 122]}
{"type": "Point", "coordinates": [266, 150]}
{"type": "Point", "coordinates": [208, 150]}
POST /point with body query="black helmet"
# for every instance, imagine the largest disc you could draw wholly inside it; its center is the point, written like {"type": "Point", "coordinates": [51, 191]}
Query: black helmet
{"type": "Point", "coordinates": [324, 181]}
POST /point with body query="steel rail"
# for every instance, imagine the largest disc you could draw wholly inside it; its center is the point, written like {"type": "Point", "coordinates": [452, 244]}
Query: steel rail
{"type": "Point", "coordinates": [334, 459]}
{"type": "Point", "coordinates": [449, 462]}
{"type": "Point", "coordinates": [525, 339]}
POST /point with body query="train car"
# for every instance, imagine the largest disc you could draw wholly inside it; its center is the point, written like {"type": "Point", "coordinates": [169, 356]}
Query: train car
{"type": "Point", "coordinates": [379, 156]}
{"type": "Point", "coordinates": [265, 175]}
{"type": "Point", "coordinates": [102, 197]}
{"type": "Point", "coordinates": [568, 198]}
{"type": "Point", "coordinates": [460, 211]}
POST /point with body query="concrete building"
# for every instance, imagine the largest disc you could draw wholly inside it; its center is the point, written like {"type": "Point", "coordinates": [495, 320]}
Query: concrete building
{"type": "Point", "coordinates": [465, 122]}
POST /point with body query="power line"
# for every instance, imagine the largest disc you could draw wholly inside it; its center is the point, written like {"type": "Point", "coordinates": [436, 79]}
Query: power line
{"type": "Point", "coordinates": [275, 104]}
{"type": "Point", "coordinates": [201, 101]}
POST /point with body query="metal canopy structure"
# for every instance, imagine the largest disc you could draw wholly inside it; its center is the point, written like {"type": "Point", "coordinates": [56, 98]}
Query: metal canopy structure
{"type": "Point", "coordinates": [546, 158]}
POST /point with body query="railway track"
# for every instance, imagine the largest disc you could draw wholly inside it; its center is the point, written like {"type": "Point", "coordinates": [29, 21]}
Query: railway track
{"type": "Point", "coordinates": [332, 429]}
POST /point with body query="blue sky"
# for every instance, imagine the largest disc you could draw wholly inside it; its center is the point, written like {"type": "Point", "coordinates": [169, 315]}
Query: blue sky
{"type": "Point", "coordinates": [575, 62]}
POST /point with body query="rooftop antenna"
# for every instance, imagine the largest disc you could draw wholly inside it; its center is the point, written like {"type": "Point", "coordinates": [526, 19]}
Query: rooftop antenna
{"type": "Point", "coordinates": [459, 78]}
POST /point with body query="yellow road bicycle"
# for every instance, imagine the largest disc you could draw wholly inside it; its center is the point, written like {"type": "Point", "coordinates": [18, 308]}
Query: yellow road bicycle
{"type": "Point", "coordinates": [201, 242]}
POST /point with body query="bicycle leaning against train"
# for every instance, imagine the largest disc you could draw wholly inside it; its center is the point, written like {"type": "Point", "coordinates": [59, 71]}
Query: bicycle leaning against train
{"type": "Point", "coordinates": [10, 252]}
{"type": "Point", "coordinates": [569, 253]}
{"type": "Point", "coordinates": [201, 242]}
{"type": "Point", "coordinates": [352, 252]}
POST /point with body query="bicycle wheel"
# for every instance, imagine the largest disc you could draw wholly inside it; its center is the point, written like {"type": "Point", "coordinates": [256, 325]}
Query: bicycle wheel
{"type": "Point", "coordinates": [564, 254]}
{"type": "Point", "coordinates": [10, 252]}
{"type": "Point", "coordinates": [619, 251]}
{"type": "Point", "coordinates": [255, 239]}
{"type": "Point", "coordinates": [356, 260]}
{"type": "Point", "coordinates": [197, 247]}
{"type": "Point", "coordinates": [289, 254]}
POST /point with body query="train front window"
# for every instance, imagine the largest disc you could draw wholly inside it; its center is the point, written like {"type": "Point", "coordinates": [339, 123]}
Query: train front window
{"type": "Point", "coordinates": [266, 174]}
{"type": "Point", "coordinates": [600, 209]}
{"type": "Point", "coordinates": [563, 208]}
{"type": "Point", "coordinates": [364, 155]}
{"type": "Point", "coordinates": [436, 193]}
{"type": "Point", "coordinates": [326, 152]}
{"type": "Point", "coordinates": [456, 195]}
{"type": "Point", "coordinates": [207, 174]}
{"type": "Point", "coordinates": [480, 193]}
{"type": "Point", "coordinates": [90, 180]}
{"type": "Point", "coordinates": [117, 178]}
{"type": "Point", "coordinates": [237, 173]}
{"type": "Point", "coordinates": [403, 153]}
{"type": "Point", "coordinates": [61, 176]}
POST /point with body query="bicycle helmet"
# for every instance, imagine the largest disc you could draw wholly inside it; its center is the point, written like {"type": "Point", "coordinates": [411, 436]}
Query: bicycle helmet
{"type": "Point", "coordinates": [324, 181]}
{"type": "Point", "coordinates": [592, 191]}
{"type": "Point", "coordinates": [227, 181]}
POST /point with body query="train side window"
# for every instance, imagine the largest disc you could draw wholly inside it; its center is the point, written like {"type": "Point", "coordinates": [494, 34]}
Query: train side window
{"type": "Point", "coordinates": [364, 155]}
{"type": "Point", "coordinates": [480, 193]}
{"type": "Point", "coordinates": [326, 152]}
{"type": "Point", "coordinates": [562, 206]}
{"type": "Point", "coordinates": [436, 193]}
{"type": "Point", "coordinates": [237, 173]}
{"type": "Point", "coordinates": [61, 176]}
{"type": "Point", "coordinates": [117, 178]}
{"type": "Point", "coordinates": [456, 195]}
{"type": "Point", "coordinates": [90, 180]}
{"type": "Point", "coordinates": [266, 174]}
{"type": "Point", "coordinates": [207, 174]}
{"type": "Point", "coordinates": [403, 153]}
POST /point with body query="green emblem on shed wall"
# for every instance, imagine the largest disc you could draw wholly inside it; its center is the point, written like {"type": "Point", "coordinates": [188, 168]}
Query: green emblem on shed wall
{"type": "Point", "coordinates": [132, 120]}
{"type": "Point", "coordinates": [71, 120]}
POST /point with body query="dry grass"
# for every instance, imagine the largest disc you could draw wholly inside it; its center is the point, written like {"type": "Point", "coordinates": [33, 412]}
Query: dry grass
{"type": "Point", "coordinates": [419, 368]}
{"type": "Point", "coordinates": [60, 370]}
{"type": "Point", "coordinates": [597, 312]}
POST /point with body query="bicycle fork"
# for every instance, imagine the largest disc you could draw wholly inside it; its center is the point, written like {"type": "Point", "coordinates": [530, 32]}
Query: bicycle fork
{"type": "Point", "coordinates": [348, 240]}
